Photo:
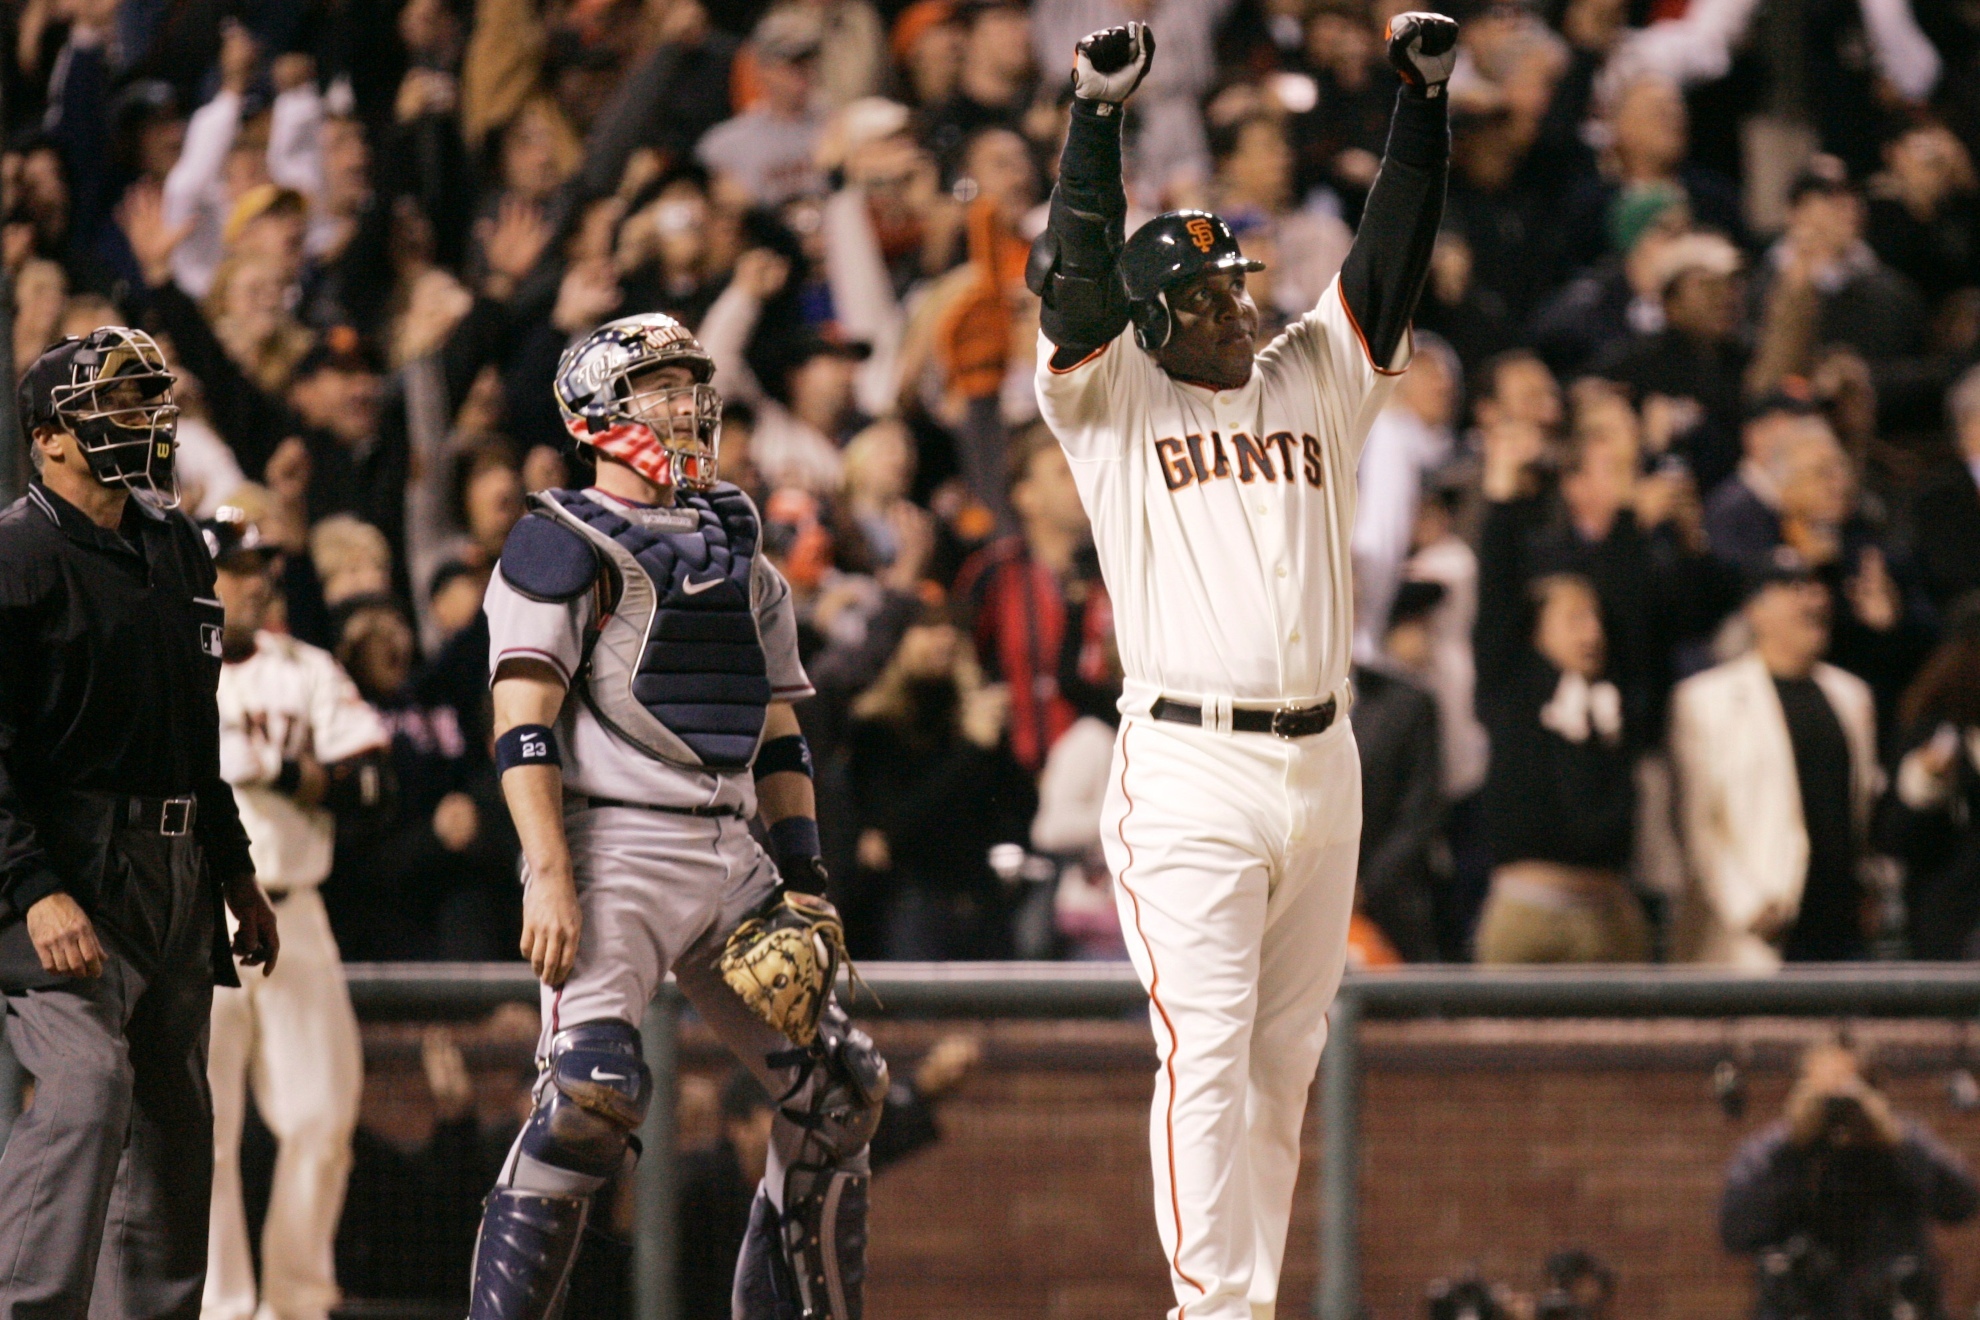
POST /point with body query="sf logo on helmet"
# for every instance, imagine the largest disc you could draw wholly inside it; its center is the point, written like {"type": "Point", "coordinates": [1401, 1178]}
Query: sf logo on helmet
{"type": "Point", "coordinates": [1202, 234]}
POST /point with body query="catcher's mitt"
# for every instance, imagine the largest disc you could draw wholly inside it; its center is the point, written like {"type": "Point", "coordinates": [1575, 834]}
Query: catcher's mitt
{"type": "Point", "coordinates": [783, 962]}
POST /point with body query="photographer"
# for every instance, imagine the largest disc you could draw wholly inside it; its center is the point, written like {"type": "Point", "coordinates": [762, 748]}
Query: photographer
{"type": "Point", "coordinates": [1835, 1201]}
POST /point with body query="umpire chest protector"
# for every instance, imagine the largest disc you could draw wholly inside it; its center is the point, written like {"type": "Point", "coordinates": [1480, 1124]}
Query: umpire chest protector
{"type": "Point", "coordinates": [675, 665]}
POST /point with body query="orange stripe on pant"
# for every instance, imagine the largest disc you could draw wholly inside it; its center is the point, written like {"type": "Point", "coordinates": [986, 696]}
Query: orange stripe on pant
{"type": "Point", "coordinates": [1169, 1056]}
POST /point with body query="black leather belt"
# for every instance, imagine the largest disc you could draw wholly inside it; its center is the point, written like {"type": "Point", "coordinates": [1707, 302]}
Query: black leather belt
{"type": "Point", "coordinates": [1285, 722]}
{"type": "Point", "coordinates": [586, 803]}
{"type": "Point", "coordinates": [171, 817]}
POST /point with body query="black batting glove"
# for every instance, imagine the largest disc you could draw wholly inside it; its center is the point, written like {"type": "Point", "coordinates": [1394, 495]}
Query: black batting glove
{"type": "Point", "coordinates": [1109, 64]}
{"type": "Point", "coordinates": [1423, 49]}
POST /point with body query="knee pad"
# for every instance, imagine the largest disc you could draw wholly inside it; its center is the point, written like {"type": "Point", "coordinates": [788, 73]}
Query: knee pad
{"type": "Point", "coordinates": [841, 1088]}
{"type": "Point", "coordinates": [596, 1097]}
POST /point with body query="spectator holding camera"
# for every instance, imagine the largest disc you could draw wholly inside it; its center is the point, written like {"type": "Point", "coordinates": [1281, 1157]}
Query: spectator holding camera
{"type": "Point", "coordinates": [1837, 1198]}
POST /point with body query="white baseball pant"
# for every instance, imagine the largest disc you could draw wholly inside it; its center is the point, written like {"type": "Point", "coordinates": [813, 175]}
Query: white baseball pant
{"type": "Point", "coordinates": [1234, 862]}
{"type": "Point", "coordinates": [293, 1037]}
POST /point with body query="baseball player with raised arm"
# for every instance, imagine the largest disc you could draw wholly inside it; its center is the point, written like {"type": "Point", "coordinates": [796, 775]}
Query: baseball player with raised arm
{"type": "Point", "coordinates": [644, 658]}
{"type": "Point", "coordinates": [301, 749]}
{"type": "Point", "coordinates": [1220, 480]}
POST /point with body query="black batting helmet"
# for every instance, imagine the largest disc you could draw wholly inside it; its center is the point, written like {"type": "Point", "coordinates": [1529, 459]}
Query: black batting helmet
{"type": "Point", "coordinates": [1167, 251]}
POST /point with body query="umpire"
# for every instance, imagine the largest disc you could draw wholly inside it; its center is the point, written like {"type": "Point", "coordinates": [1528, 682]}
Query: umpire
{"type": "Point", "coordinates": [118, 844]}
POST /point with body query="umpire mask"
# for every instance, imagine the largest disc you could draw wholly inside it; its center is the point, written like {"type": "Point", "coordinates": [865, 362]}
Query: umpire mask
{"type": "Point", "coordinates": [112, 391]}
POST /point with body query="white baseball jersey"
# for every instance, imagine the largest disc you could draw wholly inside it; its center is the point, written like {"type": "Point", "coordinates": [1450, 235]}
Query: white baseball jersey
{"type": "Point", "coordinates": [1223, 518]}
{"type": "Point", "coordinates": [286, 699]}
{"type": "Point", "coordinates": [596, 761]}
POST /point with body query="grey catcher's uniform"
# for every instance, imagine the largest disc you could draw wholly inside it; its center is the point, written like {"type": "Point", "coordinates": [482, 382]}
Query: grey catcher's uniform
{"type": "Point", "coordinates": [650, 883]}
{"type": "Point", "coordinates": [673, 635]}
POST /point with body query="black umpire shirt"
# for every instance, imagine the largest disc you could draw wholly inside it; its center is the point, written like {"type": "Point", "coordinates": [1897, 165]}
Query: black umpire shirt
{"type": "Point", "coordinates": [109, 664]}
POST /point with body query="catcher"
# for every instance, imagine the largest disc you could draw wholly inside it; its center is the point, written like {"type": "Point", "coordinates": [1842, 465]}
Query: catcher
{"type": "Point", "coordinates": [644, 658]}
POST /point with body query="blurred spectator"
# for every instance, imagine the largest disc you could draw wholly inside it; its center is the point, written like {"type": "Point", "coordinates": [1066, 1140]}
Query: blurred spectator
{"type": "Point", "coordinates": [1395, 730]}
{"type": "Point", "coordinates": [1410, 439]}
{"type": "Point", "coordinates": [767, 149]}
{"type": "Point", "coordinates": [1837, 1201]}
{"type": "Point", "coordinates": [1875, 631]}
{"type": "Point", "coordinates": [1042, 620]}
{"type": "Point", "coordinates": [1636, 539]}
{"type": "Point", "coordinates": [1742, 516]}
{"type": "Point", "coordinates": [1777, 770]}
{"type": "Point", "coordinates": [1922, 214]}
{"type": "Point", "coordinates": [1946, 509]}
{"type": "Point", "coordinates": [993, 82]}
{"type": "Point", "coordinates": [801, 417]}
{"type": "Point", "coordinates": [1935, 799]}
{"type": "Point", "coordinates": [1688, 375]}
{"type": "Point", "coordinates": [1646, 162]}
{"type": "Point", "coordinates": [1822, 284]}
{"type": "Point", "coordinates": [1443, 560]}
{"type": "Point", "coordinates": [1559, 796]}
{"type": "Point", "coordinates": [438, 880]}
{"type": "Point", "coordinates": [1471, 319]}
{"type": "Point", "coordinates": [933, 790]}
{"type": "Point", "coordinates": [41, 289]}
{"type": "Point", "coordinates": [352, 559]}
{"type": "Point", "coordinates": [1071, 790]}
{"type": "Point", "coordinates": [1620, 296]}
{"type": "Point", "coordinates": [717, 1186]}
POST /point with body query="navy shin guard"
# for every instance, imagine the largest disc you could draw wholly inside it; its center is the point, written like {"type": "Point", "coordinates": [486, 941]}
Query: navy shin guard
{"type": "Point", "coordinates": [524, 1255]}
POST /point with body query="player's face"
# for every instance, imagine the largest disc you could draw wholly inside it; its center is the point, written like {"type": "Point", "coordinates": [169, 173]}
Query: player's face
{"type": "Point", "coordinates": [245, 592]}
{"type": "Point", "coordinates": [1216, 331]}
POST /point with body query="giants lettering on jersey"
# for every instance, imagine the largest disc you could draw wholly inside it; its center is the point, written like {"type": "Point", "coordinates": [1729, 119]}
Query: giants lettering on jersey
{"type": "Point", "coordinates": [1190, 460]}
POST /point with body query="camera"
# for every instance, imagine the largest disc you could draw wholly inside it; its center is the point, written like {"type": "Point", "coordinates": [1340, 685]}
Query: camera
{"type": "Point", "coordinates": [1465, 1298]}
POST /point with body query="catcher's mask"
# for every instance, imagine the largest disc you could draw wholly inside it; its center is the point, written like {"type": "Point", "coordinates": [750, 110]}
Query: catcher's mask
{"type": "Point", "coordinates": [112, 391]}
{"type": "Point", "coordinates": [671, 435]}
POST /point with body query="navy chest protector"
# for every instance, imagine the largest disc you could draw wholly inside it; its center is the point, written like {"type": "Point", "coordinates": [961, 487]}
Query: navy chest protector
{"type": "Point", "coordinates": [677, 667]}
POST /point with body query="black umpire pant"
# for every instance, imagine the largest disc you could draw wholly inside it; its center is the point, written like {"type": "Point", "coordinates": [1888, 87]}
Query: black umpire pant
{"type": "Point", "coordinates": [105, 1183]}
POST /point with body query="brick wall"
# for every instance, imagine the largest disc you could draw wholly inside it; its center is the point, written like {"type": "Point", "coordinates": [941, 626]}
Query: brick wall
{"type": "Point", "coordinates": [1484, 1143]}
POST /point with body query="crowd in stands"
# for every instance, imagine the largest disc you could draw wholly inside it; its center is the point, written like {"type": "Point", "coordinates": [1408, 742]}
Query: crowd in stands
{"type": "Point", "coordinates": [1668, 542]}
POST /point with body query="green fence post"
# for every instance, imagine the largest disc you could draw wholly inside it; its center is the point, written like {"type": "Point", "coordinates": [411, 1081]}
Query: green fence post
{"type": "Point", "coordinates": [654, 1239]}
{"type": "Point", "coordinates": [1338, 1294]}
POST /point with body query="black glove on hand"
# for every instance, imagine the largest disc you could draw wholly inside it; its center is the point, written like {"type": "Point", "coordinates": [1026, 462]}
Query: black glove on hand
{"type": "Point", "coordinates": [1423, 49]}
{"type": "Point", "coordinates": [1109, 64]}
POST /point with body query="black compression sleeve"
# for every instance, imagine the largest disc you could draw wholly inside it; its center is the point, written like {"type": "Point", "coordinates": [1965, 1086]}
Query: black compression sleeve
{"type": "Point", "coordinates": [1384, 273]}
{"type": "Point", "coordinates": [1073, 262]}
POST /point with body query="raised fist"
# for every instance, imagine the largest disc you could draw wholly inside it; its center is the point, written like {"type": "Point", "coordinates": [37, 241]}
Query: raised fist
{"type": "Point", "coordinates": [1109, 64]}
{"type": "Point", "coordinates": [1423, 49]}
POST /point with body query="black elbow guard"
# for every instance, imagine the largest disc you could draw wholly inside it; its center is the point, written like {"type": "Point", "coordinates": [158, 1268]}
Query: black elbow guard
{"type": "Point", "coordinates": [1078, 308]}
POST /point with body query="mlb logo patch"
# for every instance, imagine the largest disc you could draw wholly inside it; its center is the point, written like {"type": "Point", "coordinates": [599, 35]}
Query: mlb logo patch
{"type": "Point", "coordinates": [209, 639]}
